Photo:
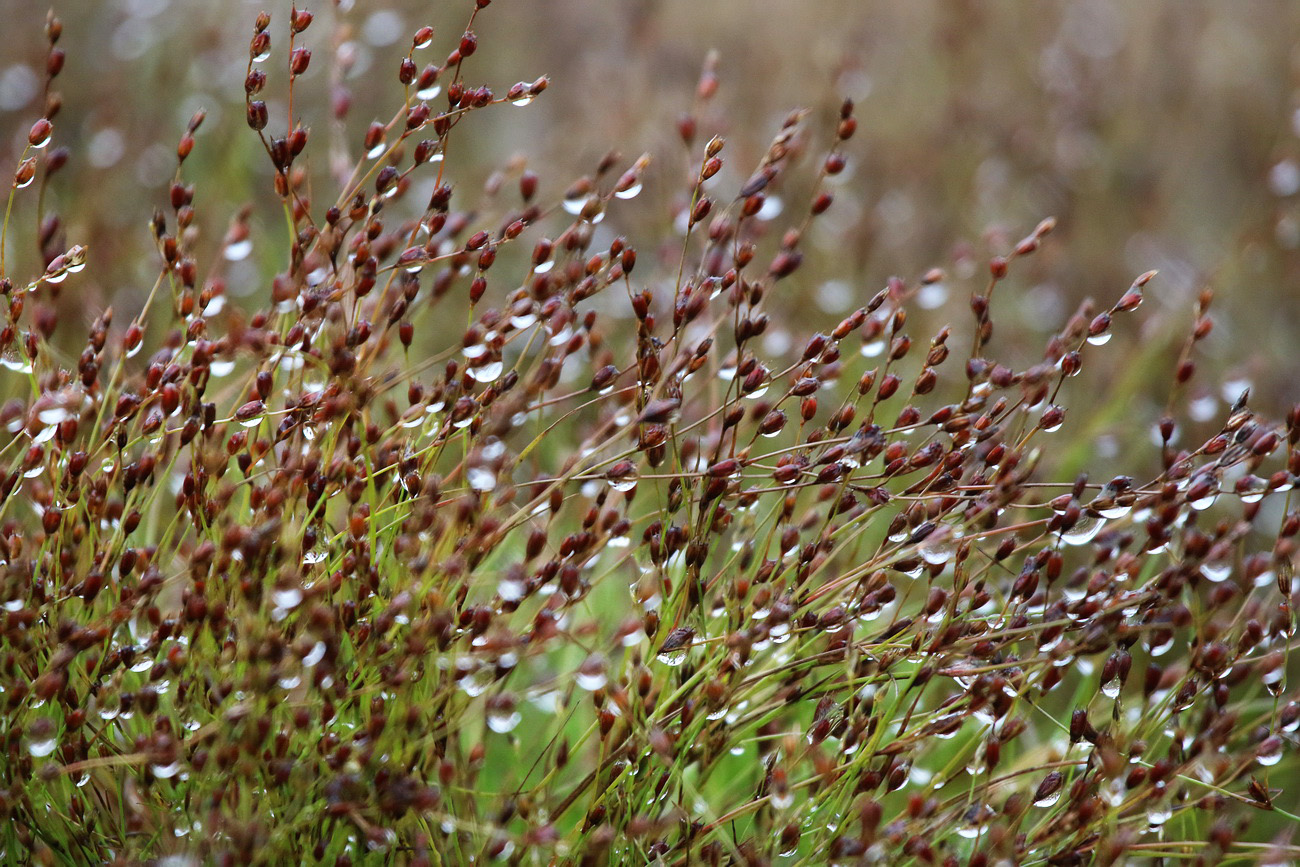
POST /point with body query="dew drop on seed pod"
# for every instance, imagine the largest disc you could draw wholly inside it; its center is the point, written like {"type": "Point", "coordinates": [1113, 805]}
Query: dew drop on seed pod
{"type": "Point", "coordinates": [165, 772]}
{"type": "Point", "coordinates": [1100, 339]}
{"type": "Point", "coordinates": [1251, 488]}
{"type": "Point", "coordinates": [1048, 800]}
{"type": "Point", "coordinates": [543, 267]}
{"type": "Point", "coordinates": [771, 209]}
{"type": "Point", "coordinates": [624, 483]}
{"type": "Point", "coordinates": [523, 100]}
{"type": "Point", "coordinates": [11, 360]}
{"type": "Point", "coordinates": [42, 748]}
{"type": "Point", "coordinates": [377, 150]}
{"type": "Point", "coordinates": [574, 205]}
{"type": "Point", "coordinates": [238, 251]}
{"type": "Point", "coordinates": [939, 553]}
{"type": "Point", "coordinates": [489, 372]}
{"type": "Point", "coordinates": [1083, 531]}
{"type": "Point", "coordinates": [872, 348]}
{"type": "Point", "coordinates": [591, 674]}
{"type": "Point", "coordinates": [1158, 814]}
{"type": "Point", "coordinates": [561, 336]}
{"type": "Point", "coordinates": [1116, 511]}
{"type": "Point", "coordinates": [218, 369]}
{"type": "Point", "coordinates": [1216, 571]}
{"type": "Point", "coordinates": [932, 296]}
{"type": "Point", "coordinates": [630, 193]}
{"type": "Point", "coordinates": [142, 666]}
{"type": "Point", "coordinates": [481, 479]}
{"type": "Point", "coordinates": [673, 658]}
{"type": "Point", "coordinates": [1112, 687]}
{"type": "Point", "coordinates": [287, 597]}
{"type": "Point", "coordinates": [315, 655]}
{"type": "Point", "coordinates": [502, 720]}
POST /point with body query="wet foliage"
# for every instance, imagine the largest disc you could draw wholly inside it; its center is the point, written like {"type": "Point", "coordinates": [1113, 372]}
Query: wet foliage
{"type": "Point", "coordinates": [482, 532]}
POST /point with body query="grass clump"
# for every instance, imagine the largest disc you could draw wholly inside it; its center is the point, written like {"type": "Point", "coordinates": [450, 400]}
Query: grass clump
{"type": "Point", "coordinates": [485, 533]}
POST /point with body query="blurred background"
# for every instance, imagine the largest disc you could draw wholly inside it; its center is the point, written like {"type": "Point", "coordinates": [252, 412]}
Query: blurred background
{"type": "Point", "coordinates": [1159, 134]}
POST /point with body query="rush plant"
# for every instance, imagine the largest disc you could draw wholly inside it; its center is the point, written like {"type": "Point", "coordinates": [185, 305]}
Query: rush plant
{"type": "Point", "coordinates": [482, 532]}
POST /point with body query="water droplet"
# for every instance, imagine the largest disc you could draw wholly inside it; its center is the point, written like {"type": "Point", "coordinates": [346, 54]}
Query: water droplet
{"type": "Point", "coordinates": [142, 666]}
{"type": "Point", "coordinates": [872, 348]}
{"type": "Point", "coordinates": [11, 360]}
{"type": "Point", "coordinates": [1111, 688]}
{"type": "Point", "coordinates": [771, 208]}
{"type": "Point", "coordinates": [523, 100]}
{"type": "Point", "coordinates": [630, 193]}
{"type": "Point", "coordinates": [41, 749]}
{"type": "Point", "coordinates": [165, 772]}
{"type": "Point", "coordinates": [238, 251]}
{"type": "Point", "coordinates": [1158, 814]}
{"type": "Point", "coordinates": [1216, 571]}
{"type": "Point", "coordinates": [287, 597]}
{"type": "Point", "coordinates": [481, 479]}
{"type": "Point", "coordinates": [502, 720]}
{"type": "Point", "coordinates": [939, 552]}
{"type": "Point", "coordinates": [574, 205]}
{"type": "Point", "coordinates": [429, 92]}
{"type": "Point", "coordinates": [1083, 531]}
{"type": "Point", "coordinates": [1270, 751]}
{"type": "Point", "coordinates": [1100, 339]}
{"type": "Point", "coordinates": [1048, 800]}
{"type": "Point", "coordinates": [591, 674]}
{"type": "Point", "coordinates": [673, 658]}
{"type": "Point", "coordinates": [489, 372]}
{"type": "Point", "coordinates": [932, 296]}
{"type": "Point", "coordinates": [377, 150]}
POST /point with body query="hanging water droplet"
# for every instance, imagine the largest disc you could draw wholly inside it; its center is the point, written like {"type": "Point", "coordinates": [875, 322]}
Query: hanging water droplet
{"type": "Point", "coordinates": [672, 658]}
{"type": "Point", "coordinates": [287, 597]}
{"type": "Point", "coordinates": [429, 92]}
{"type": "Point", "coordinates": [630, 193]}
{"type": "Point", "coordinates": [1216, 571]}
{"type": "Point", "coordinates": [1158, 814]}
{"type": "Point", "coordinates": [481, 479]}
{"type": "Point", "coordinates": [1083, 531]}
{"type": "Point", "coordinates": [939, 553]}
{"type": "Point", "coordinates": [165, 772]}
{"type": "Point", "coordinates": [1269, 752]}
{"type": "Point", "coordinates": [503, 720]}
{"type": "Point", "coordinates": [872, 348]}
{"type": "Point", "coordinates": [238, 251]}
{"type": "Point", "coordinates": [489, 372]}
{"type": "Point", "coordinates": [39, 749]}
